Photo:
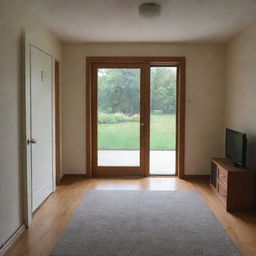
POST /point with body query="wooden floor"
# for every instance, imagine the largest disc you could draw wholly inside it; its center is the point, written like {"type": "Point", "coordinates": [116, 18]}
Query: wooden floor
{"type": "Point", "coordinates": [53, 216]}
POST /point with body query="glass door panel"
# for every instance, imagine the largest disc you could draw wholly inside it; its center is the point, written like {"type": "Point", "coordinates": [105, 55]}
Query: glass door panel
{"type": "Point", "coordinates": [163, 120]}
{"type": "Point", "coordinates": [118, 117]}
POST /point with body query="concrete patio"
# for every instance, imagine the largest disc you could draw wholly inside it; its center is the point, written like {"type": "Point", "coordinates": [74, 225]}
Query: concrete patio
{"type": "Point", "coordinates": [162, 162]}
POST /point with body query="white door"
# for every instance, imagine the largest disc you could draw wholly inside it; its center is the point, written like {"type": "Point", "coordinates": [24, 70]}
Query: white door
{"type": "Point", "coordinates": [41, 126]}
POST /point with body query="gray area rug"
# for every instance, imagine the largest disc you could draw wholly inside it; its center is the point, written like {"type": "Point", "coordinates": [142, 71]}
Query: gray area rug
{"type": "Point", "coordinates": [144, 223]}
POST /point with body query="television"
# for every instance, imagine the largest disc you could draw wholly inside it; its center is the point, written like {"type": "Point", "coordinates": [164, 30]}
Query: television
{"type": "Point", "coordinates": [236, 143]}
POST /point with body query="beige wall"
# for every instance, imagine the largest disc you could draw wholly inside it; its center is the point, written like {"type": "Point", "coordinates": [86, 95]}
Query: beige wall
{"type": "Point", "coordinates": [204, 98]}
{"type": "Point", "coordinates": [241, 88]}
{"type": "Point", "coordinates": [14, 16]}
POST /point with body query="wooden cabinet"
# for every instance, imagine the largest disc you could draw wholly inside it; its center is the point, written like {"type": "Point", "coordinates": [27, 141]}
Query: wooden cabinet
{"type": "Point", "coordinates": [234, 186]}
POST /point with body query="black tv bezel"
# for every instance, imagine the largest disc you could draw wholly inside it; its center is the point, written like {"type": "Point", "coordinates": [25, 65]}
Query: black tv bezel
{"type": "Point", "coordinates": [238, 163]}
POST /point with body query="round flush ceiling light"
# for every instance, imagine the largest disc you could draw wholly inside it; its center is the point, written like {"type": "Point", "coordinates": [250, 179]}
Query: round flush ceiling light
{"type": "Point", "coordinates": [149, 10]}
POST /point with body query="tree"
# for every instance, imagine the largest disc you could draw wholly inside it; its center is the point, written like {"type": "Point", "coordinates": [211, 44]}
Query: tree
{"type": "Point", "coordinates": [119, 90]}
{"type": "Point", "coordinates": [163, 89]}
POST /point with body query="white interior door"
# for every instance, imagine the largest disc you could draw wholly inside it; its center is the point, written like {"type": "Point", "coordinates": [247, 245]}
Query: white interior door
{"type": "Point", "coordinates": [41, 126]}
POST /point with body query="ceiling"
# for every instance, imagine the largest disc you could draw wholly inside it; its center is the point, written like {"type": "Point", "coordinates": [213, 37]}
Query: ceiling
{"type": "Point", "coordinates": [119, 21]}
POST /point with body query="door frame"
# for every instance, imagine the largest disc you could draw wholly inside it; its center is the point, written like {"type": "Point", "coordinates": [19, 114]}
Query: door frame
{"type": "Point", "coordinates": [26, 130]}
{"type": "Point", "coordinates": [116, 170]}
{"type": "Point", "coordinates": [180, 62]}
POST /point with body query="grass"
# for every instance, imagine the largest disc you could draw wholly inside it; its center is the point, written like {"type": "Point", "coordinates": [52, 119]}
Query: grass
{"type": "Point", "coordinates": [126, 135]}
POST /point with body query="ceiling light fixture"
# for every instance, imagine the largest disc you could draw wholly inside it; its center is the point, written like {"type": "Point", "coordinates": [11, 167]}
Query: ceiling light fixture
{"type": "Point", "coordinates": [150, 10]}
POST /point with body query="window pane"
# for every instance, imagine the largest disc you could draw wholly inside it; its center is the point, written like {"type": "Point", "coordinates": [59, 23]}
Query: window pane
{"type": "Point", "coordinates": [119, 117]}
{"type": "Point", "coordinates": [163, 120]}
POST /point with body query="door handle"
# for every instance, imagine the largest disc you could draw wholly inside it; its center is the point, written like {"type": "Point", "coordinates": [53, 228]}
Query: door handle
{"type": "Point", "coordinates": [31, 141]}
{"type": "Point", "coordinates": [142, 124]}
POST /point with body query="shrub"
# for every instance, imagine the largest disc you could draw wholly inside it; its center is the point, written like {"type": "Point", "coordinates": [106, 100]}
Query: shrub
{"type": "Point", "coordinates": [157, 111]}
{"type": "Point", "coordinates": [104, 118]}
{"type": "Point", "coordinates": [135, 118]}
{"type": "Point", "coordinates": [119, 118]}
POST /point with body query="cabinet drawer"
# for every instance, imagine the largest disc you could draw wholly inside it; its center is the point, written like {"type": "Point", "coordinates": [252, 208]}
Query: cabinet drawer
{"type": "Point", "coordinates": [222, 192]}
{"type": "Point", "coordinates": [222, 175]}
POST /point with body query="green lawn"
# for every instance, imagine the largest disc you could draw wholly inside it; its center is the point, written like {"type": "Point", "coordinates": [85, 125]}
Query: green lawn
{"type": "Point", "coordinates": [126, 135]}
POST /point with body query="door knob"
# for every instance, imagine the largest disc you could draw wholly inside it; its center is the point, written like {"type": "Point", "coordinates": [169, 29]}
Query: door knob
{"type": "Point", "coordinates": [32, 141]}
{"type": "Point", "coordinates": [142, 124]}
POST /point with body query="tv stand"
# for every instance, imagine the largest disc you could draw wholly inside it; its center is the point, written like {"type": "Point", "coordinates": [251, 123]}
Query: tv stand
{"type": "Point", "coordinates": [234, 186]}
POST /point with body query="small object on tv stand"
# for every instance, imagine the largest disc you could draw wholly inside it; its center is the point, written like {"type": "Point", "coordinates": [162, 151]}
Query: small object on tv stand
{"type": "Point", "coordinates": [235, 187]}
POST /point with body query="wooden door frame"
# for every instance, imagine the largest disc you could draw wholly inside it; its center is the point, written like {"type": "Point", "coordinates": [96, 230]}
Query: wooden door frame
{"type": "Point", "coordinates": [180, 118]}
{"type": "Point", "coordinates": [116, 170]}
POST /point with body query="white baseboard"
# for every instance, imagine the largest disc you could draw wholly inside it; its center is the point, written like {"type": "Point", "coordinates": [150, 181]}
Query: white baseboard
{"type": "Point", "coordinates": [11, 240]}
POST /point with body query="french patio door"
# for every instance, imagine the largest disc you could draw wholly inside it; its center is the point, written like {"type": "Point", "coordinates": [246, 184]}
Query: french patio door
{"type": "Point", "coordinates": [135, 116]}
{"type": "Point", "coordinates": [119, 148]}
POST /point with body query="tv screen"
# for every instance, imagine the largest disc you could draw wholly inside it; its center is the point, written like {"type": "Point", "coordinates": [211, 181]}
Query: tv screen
{"type": "Point", "coordinates": [236, 147]}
